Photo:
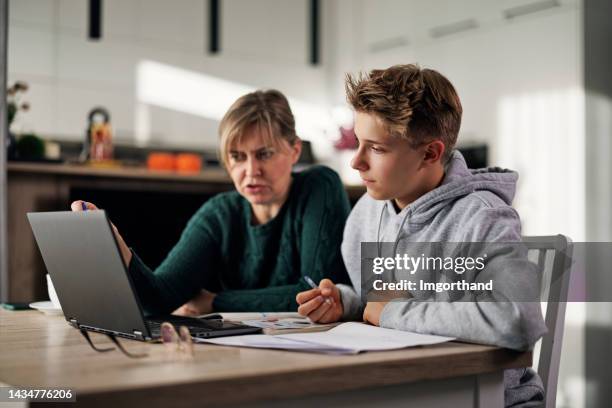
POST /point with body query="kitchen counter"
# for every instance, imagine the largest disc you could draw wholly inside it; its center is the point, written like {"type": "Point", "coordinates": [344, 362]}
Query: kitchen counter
{"type": "Point", "coordinates": [207, 175]}
{"type": "Point", "coordinates": [150, 208]}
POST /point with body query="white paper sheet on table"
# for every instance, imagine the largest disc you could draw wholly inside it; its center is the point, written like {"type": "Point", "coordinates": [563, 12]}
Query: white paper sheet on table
{"type": "Point", "coordinates": [347, 338]}
{"type": "Point", "coordinates": [273, 342]}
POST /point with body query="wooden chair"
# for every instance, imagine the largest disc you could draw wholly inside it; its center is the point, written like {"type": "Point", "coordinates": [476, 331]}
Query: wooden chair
{"type": "Point", "coordinates": [553, 256]}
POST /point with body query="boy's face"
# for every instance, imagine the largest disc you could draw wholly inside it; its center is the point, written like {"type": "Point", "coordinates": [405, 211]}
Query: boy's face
{"type": "Point", "coordinates": [390, 168]}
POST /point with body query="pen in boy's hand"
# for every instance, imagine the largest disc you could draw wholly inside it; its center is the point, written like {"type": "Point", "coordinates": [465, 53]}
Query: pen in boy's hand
{"type": "Point", "coordinates": [313, 285]}
{"type": "Point", "coordinates": [83, 205]}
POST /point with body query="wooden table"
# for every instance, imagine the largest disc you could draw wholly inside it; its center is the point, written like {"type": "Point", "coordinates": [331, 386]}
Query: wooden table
{"type": "Point", "coordinates": [44, 351]}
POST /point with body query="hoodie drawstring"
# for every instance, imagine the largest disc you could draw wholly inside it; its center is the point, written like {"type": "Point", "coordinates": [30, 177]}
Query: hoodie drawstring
{"type": "Point", "coordinates": [379, 225]}
{"type": "Point", "coordinates": [399, 232]}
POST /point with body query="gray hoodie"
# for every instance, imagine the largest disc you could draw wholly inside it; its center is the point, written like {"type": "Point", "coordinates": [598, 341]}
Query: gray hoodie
{"type": "Point", "coordinates": [469, 206]}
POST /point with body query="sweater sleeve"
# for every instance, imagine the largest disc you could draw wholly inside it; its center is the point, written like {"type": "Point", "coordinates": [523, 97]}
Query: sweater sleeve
{"type": "Point", "coordinates": [323, 210]}
{"type": "Point", "coordinates": [499, 321]}
{"type": "Point", "coordinates": [352, 306]}
{"type": "Point", "coordinates": [187, 268]}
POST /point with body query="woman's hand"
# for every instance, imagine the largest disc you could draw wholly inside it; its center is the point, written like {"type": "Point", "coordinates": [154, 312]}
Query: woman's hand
{"type": "Point", "coordinates": [322, 304]}
{"type": "Point", "coordinates": [199, 305]}
{"type": "Point", "coordinates": [126, 254]}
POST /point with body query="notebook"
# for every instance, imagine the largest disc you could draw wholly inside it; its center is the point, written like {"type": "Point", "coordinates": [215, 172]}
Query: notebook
{"type": "Point", "coordinates": [346, 338]}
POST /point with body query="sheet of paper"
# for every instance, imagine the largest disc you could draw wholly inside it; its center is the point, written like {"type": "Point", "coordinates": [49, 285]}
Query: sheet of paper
{"type": "Point", "coordinates": [347, 338]}
{"type": "Point", "coordinates": [274, 342]}
{"type": "Point", "coordinates": [364, 337]}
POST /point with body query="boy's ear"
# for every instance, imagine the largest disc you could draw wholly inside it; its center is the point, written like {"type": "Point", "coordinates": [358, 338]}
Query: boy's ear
{"type": "Point", "coordinates": [434, 151]}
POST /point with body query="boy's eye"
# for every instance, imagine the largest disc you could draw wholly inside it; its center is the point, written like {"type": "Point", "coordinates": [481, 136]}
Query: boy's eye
{"type": "Point", "coordinates": [377, 149]}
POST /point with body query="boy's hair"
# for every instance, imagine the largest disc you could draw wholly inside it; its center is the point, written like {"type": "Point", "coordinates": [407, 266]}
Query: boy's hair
{"type": "Point", "coordinates": [268, 110]}
{"type": "Point", "coordinates": [419, 105]}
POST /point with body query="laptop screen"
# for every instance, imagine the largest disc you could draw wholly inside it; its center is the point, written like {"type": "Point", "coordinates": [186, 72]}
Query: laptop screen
{"type": "Point", "coordinates": [81, 255]}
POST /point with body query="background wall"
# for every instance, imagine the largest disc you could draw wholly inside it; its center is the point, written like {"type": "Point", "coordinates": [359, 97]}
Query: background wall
{"type": "Point", "coordinates": [69, 74]}
{"type": "Point", "coordinates": [519, 80]}
{"type": "Point", "coordinates": [598, 98]}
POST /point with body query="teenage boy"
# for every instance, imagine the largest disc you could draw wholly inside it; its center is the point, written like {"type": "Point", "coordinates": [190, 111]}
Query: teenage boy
{"type": "Point", "coordinates": [419, 189]}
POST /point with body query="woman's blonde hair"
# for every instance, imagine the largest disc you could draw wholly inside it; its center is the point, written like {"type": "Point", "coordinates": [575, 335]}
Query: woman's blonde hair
{"type": "Point", "coordinates": [268, 111]}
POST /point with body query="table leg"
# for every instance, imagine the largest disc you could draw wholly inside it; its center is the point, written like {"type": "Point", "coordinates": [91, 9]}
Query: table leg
{"type": "Point", "coordinates": [489, 390]}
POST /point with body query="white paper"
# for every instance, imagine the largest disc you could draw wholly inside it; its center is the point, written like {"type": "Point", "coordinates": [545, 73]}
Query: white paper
{"type": "Point", "coordinates": [364, 337]}
{"type": "Point", "coordinates": [273, 342]}
{"type": "Point", "coordinates": [347, 338]}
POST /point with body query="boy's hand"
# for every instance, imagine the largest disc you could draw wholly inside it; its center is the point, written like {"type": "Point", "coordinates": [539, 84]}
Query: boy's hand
{"type": "Point", "coordinates": [314, 305]}
{"type": "Point", "coordinates": [377, 300]}
{"type": "Point", "coordinates": [372, 312]}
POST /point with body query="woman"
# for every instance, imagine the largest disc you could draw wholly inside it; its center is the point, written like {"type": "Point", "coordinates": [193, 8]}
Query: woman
{"type": "Point", "coordinates": [249, 249]}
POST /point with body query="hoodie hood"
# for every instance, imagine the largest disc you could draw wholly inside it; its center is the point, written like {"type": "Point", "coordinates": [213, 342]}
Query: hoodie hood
{"type": "Point", "coordinates": [458, 182]}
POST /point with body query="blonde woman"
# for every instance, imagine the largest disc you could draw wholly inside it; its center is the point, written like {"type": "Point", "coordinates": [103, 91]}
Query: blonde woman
{"type": "Point", "coordinates": [249, 249]}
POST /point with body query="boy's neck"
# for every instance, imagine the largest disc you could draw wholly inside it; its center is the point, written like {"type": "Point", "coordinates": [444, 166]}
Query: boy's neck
{"type": "Point", "coordinates": [431, 182]}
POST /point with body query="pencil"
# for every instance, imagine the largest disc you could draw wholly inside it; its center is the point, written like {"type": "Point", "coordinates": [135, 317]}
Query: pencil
{"type": "Point", "coordinates": [313, 285]}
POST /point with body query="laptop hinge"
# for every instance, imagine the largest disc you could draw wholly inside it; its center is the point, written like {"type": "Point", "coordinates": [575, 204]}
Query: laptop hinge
{"type": "Point", "coordinates": [137, 332]}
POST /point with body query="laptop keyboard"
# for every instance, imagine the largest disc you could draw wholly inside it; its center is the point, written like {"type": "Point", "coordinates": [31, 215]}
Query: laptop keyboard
{"type": "Point", "coordinates": [195, 330]}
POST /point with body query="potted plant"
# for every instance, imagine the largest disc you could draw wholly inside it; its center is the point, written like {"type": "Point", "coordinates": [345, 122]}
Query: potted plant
{"type": "Point", "coordinates": [14, 105]}
{"type": "Point", "coordinates": [28, 146]}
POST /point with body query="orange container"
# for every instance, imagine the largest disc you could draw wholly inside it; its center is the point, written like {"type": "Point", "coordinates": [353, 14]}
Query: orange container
{"type": "Point", "coordinates": [161, 161]}
{"type": "Point", "coordinates": [188, 163]}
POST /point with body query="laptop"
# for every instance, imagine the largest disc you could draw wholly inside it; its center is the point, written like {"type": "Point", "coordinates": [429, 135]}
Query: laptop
{"type": "Point", "coordinates": [93, 285]}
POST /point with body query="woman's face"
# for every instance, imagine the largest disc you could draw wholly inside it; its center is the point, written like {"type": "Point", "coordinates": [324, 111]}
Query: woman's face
{"type": "Point", "coordinates": [262, 172]}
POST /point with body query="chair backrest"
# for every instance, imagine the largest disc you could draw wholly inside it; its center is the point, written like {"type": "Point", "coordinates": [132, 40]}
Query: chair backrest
{"type": "Point", "coordinates": [553, 255]}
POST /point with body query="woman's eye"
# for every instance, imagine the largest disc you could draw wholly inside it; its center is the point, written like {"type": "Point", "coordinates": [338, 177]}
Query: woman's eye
{"type": "Point", "coordinates": [266, 154]}
{"type": "Point", "coordinates": [236, 157]}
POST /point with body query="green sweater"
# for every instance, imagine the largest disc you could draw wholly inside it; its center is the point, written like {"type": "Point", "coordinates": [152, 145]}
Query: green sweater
{"type": "Point", "coordinates": [252, 267]}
